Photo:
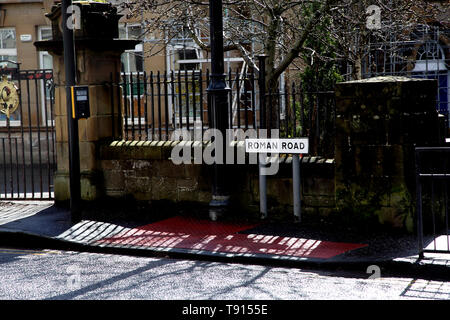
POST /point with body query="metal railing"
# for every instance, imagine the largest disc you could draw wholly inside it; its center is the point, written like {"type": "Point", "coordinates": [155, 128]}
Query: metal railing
{"type": "Point", "coordinates": [151, 106]}
{"type": "Point", "coordinates": [27, 137]}
{"type": "Point", "coordinates": [432, 186]}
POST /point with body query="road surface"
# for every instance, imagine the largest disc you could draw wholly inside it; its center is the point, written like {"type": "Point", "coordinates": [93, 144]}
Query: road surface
{"type": "Point", "coordinates": [49, 274]}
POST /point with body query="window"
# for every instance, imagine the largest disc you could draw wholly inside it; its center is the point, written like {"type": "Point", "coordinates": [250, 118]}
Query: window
{"type": "Point", "coordinates": [132, 60]}
{"type": "Point", "coordinates": [430, 63]}
{"type": "Point", "coordinates": [45, 59]}
{"type": "Point", "coordinates": [430, 50]}
{"type": "Point", "coordinates": [188, 96]}
{"type": "Point", "coordinates": [8, 50]}
{"type": "Point", "coordinates": [185, 57]}
{"type": "Point", "coordinates": [183, 52]}
{"type": "Point", "coordinates": [46, 62]}
{"type": "Point", "coordinates": [132, 71]}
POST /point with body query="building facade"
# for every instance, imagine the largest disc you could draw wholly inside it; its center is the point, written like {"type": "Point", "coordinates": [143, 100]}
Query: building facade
{"type": "Point", "coordinates": [21, 23]}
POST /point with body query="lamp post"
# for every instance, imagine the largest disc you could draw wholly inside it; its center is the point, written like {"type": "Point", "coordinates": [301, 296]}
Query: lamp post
{"type": "Point", "coordinates": [74, 152]}
{"type": "Point", "coordinates": [218, 99]}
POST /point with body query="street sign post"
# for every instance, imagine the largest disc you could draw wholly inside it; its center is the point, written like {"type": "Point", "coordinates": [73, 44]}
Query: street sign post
{"type": "Point", "coordinates": [295, 146]}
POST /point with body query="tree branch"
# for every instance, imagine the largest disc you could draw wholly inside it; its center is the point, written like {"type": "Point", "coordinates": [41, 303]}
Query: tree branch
{"type": "Point", "coordinates": [297, 46]}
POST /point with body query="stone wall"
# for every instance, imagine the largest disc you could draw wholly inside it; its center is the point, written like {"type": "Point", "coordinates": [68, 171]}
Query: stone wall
{"type": "Point", "coordinates": [143, 171]}
{"type": "Point", "coordinates": [371, 180]}
{"type": "Point", "coordinates": [378, 122]}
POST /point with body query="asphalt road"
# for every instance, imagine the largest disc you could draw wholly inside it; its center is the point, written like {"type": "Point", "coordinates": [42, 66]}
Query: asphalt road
{"type": "Point", "coordinates": [58, 275]}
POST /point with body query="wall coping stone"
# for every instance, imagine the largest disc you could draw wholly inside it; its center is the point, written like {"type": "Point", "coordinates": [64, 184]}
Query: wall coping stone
{"type": "Point", "coordinates": [161, 150]}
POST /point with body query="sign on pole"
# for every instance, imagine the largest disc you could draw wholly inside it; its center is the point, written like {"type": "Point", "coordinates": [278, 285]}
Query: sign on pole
{"type": "Point", "coordinates": [292, 146]}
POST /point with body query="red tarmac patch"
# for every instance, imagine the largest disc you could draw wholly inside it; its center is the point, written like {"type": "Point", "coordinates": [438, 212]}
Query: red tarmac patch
{"type": "Point", "coordinates": [214, 236]}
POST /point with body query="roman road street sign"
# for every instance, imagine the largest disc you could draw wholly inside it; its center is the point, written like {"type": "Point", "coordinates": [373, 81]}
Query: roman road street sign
{"type": "Point", "coordinates": [293, 146]}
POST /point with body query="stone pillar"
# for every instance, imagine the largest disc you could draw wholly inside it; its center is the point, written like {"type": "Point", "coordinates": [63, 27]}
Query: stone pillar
{"type": "Point", "coordinates": [378, 121]}
{"type": "Point", "coordinates": [97, 54]}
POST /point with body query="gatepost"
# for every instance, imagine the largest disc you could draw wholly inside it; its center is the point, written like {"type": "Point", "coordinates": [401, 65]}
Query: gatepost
{"type": "Point", "coordinates": [97, 59]}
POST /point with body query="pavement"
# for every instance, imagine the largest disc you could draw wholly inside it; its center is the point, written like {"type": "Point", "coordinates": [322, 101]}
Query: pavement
{"type": "Point", "coordinates": [189, 234]}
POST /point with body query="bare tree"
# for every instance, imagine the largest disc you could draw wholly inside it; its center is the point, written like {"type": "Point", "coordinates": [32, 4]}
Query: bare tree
{"type": "Point", "coordinates": [357, 23]}
{"type": "Point", "coordinates": [251, 27]}
{"type": "Point", "coordinates": [279, 29]}
{"type": "Point", "coordinates": [282, 29]}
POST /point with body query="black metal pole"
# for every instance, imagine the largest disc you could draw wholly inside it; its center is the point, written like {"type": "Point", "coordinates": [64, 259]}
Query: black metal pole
{"type": "Point", "coordinates": [419, 204]}
{"type": "Point", "coordinates": [218, 96]}
{"type": "Point", "coordinates": [74, 152]}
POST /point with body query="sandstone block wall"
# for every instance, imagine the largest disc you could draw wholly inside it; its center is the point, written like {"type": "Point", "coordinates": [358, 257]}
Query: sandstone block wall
{"type": "Point", "coordinates": [378, 123]}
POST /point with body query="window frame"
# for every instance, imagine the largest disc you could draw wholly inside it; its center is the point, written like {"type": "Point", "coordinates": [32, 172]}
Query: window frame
{"type": "Point", "coordinates": [174, 107]}
{"type": "Point", "coordinates": [42, 54]}
{"type": "Point", "coordinates": [172, 47]}
{"type": "Point", "coordinates": [11, 52]}
{"type": "Point", "coordinates": [138, 49]}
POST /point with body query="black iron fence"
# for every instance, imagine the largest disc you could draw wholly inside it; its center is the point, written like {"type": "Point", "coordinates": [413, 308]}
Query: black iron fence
{"type": "Point", "coordinates": [151, 106]}
{"type": "Point", "coordinates": [432, 183]}
{"type": "Point", "coordinates": [27, 134]}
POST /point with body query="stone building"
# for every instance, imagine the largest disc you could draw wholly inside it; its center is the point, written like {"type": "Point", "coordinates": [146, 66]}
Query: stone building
{"type": "Point", "coordinates": [22, 22]}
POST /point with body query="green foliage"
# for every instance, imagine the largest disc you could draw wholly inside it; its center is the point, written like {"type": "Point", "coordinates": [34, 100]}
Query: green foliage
{"type": "Point", "coordinates": [357, 208]}
{"type": "Point", "coordinates": [322, 70]}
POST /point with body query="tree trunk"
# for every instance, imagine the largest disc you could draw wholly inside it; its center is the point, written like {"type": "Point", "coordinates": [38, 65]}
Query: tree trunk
{"type": "Point", "coordinates": [272, 102]}
{"type": "Point", "coordinates": [271, 83]}
{"type": "Point", "coordinates": [357, 70]}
